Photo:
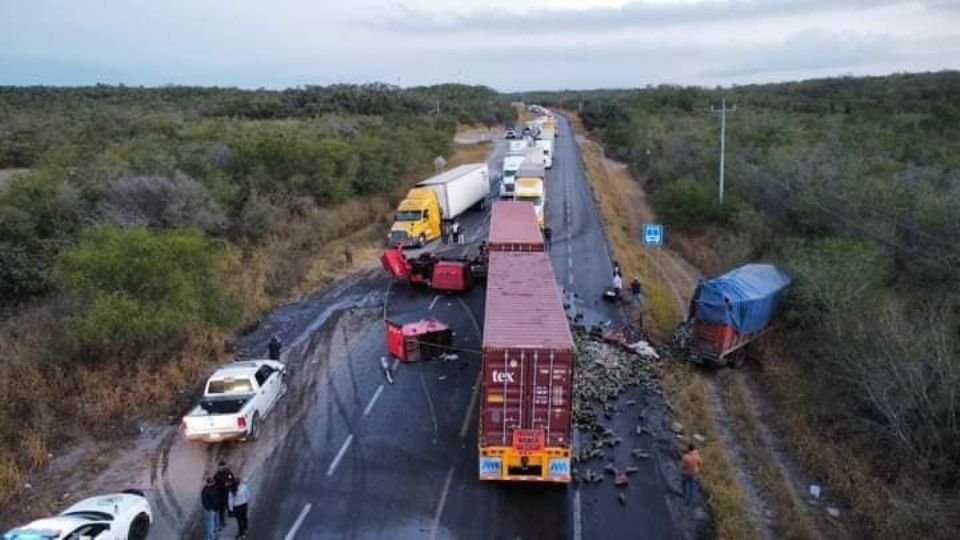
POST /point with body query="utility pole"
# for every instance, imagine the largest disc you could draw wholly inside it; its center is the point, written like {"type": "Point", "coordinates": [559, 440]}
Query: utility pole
{"type": "Point", "coordinates": [723, 136]}
{"type": "Point", "coordinates": [580, 106]}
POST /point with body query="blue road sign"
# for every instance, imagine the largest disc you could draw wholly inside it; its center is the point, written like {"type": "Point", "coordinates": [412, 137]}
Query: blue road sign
{"type": "Point", "coordinates": [653, 234]}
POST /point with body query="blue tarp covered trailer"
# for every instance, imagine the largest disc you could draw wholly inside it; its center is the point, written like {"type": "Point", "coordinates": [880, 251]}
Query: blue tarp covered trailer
{"type": "Point", "coordinates": [745, 298]}
{"type": "Point", "coordinates": [731, 310]}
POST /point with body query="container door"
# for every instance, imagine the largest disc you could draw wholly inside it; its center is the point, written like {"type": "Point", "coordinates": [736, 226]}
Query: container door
{"type": "Point", "coordinates": [550, 396]}
{"type": "Point", "coordinates": [502, 398]}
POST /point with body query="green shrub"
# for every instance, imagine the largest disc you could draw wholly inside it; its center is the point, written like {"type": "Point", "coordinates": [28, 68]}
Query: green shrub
{"type": "Point", "coordinates": [135, 290]}
{"type": "Point", "coordinates": [690, 205]}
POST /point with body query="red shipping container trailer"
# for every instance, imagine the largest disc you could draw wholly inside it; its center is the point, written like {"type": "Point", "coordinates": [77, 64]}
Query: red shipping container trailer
{"type": "Point", "coordinates": [528, 368]}
{"type": "Point", "coordinates": [513, 227]}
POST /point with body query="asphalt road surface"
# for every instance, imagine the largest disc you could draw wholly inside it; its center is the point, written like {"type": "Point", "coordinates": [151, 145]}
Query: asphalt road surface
{"type": "Point", "coordinates": [364, 458]}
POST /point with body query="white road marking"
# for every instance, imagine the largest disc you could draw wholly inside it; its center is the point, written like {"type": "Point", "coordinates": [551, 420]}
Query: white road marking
{"type": "Point", "coordinates": [343, 450]}
{"type": "Point", "coordinates": [376, 396]}
{"type": "Point", "coordinates": [435, 298]}
{"type": "Point", "coordinates": [577, 521]}
{"type": "Point", "coordinates": [296, 524]}
{"type": "Point", "coordinates": [443, 502]}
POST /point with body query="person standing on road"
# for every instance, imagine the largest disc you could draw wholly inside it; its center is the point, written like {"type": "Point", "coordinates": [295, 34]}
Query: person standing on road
{"type": "Point", "coordinates": [617, 284]}
{"type": "Point", "coordinates": [690, 467]}
{"type": "Point", "coordinates": [455, 229]}
{"type": "Point", "coordinates": [444, 232]}
{"type": "Point", "coordinates": [238, 498]}
{"type": "Point", "coordinates": [210, 501]}
{"type": "Point", "coordinates": [547, 237]}
{"type": "Point", "coordinates": [274, 347]}
{"type": "Point", "coordinates": [223, 479]}
{"type": "Point", "coordinates": [637, 292]}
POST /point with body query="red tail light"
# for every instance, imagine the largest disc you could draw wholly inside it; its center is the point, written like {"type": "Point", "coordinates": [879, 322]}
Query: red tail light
{"type": "Point", "coordinates": [241, 422]}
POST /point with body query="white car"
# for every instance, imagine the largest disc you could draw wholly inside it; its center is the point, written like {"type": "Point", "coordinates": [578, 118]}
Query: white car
{"type": "Point", "coordinates": [236, 400]}
{"type": "Point", "coordinates": [118, 516]}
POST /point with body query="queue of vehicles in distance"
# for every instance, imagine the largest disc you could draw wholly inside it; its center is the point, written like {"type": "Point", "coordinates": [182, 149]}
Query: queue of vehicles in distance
{"type": "Point", "coordinates": [524, 173]}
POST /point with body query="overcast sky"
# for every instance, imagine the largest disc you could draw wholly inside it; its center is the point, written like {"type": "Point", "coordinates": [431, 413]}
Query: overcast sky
{"type": "Point", "coordinates": [507, 44]}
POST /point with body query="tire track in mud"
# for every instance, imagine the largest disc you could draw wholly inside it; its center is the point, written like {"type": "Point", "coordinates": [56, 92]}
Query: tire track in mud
{"type": "Point", "coordinates": [248, 458]}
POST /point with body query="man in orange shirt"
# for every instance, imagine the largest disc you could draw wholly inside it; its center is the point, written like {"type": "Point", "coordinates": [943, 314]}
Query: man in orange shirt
{"type": "Point", "coordinates": [690, 467]}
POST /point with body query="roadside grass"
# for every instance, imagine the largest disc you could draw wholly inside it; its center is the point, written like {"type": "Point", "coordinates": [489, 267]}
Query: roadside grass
{"type": "Point", "coordinates": [45, 403]}
{"type": "Point", "coordinates": [469, 153]}
{"type": "Point", "coordinates": [524, 114]}
{"type": "Point", "coordinates": [689, 397]}
{"type": "Point", "coordinates": [792, 520]}
{"type": "Point", "coordinates": [616, 196]}
{"type": "Point", "coordinates": [904, 507]}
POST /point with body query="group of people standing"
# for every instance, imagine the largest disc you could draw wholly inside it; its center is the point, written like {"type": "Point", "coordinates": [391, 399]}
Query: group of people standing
{"type": "Point", "coordinates": [636, 290]}
{"type": "Point", "coordinates": [452, 232]}
{"type": "Point", "coordinates": [224, 494]}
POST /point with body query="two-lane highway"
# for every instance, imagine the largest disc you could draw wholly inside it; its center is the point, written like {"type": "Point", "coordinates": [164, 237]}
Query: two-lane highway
{"type": "Point", "coordinates": [372, 459]}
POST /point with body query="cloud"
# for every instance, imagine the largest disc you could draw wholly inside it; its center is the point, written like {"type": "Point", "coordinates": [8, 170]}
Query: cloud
{"type": "Point", "coordinates": [809, 50]}
{"type": "Point", "coordinates": [632, 15]}
{"type": "Point", "coordinates": [808, 53]}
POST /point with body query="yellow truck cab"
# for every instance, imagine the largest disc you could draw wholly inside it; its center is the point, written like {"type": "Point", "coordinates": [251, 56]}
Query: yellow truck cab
{"type": "Point", "coordinates": [417, 219]}
{"type": "Point", "coordinates": [530, 189]}
{"type": "Point", "coordinates": [443, 197]}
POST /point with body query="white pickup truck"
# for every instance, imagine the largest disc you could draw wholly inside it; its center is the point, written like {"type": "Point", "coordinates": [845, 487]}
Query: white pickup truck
{"type": "Point", "coordinates": [236, 399]}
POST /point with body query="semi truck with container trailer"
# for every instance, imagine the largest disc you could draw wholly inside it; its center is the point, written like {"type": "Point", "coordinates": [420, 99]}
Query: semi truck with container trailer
{"type": "Point", "coordinates": [440, 198]}
{"type": "Point", "coordinates": [528, 354]}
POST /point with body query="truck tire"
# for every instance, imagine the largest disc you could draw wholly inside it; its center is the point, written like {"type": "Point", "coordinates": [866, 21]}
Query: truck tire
{"type": "Point", "coordinates": [139, 528]}
{"type": "Point", "coordinates": [254, 432]}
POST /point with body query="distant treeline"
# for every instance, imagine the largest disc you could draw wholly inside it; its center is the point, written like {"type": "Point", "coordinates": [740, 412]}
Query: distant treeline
{"type": "Point", "coordinates": [852, 184]}
{"type": "Point", "coordinates": [226, 161]}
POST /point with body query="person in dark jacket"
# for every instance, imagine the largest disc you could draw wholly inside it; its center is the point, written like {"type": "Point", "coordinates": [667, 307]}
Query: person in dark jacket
{"type": "Point", "coordinates": [239, 497]}
{"type": "Point", "coordinates": [274, 347]}
{"type": "Point", "coordinates": [637, 291]}
{"type": "Point", "coordinates": [223, 479]}
{"type": "Point", "coordinates": [547, 237]}
{"type": "Point", "coordinates": [210, 501]}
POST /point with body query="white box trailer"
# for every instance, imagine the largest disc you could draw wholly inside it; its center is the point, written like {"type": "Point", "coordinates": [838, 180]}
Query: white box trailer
{"type": "Point", "coordinates": [460, 188]}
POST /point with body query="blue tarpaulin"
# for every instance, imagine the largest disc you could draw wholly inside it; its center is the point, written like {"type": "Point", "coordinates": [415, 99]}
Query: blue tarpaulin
{"type": "Point", "coordinates": [745, 298]}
